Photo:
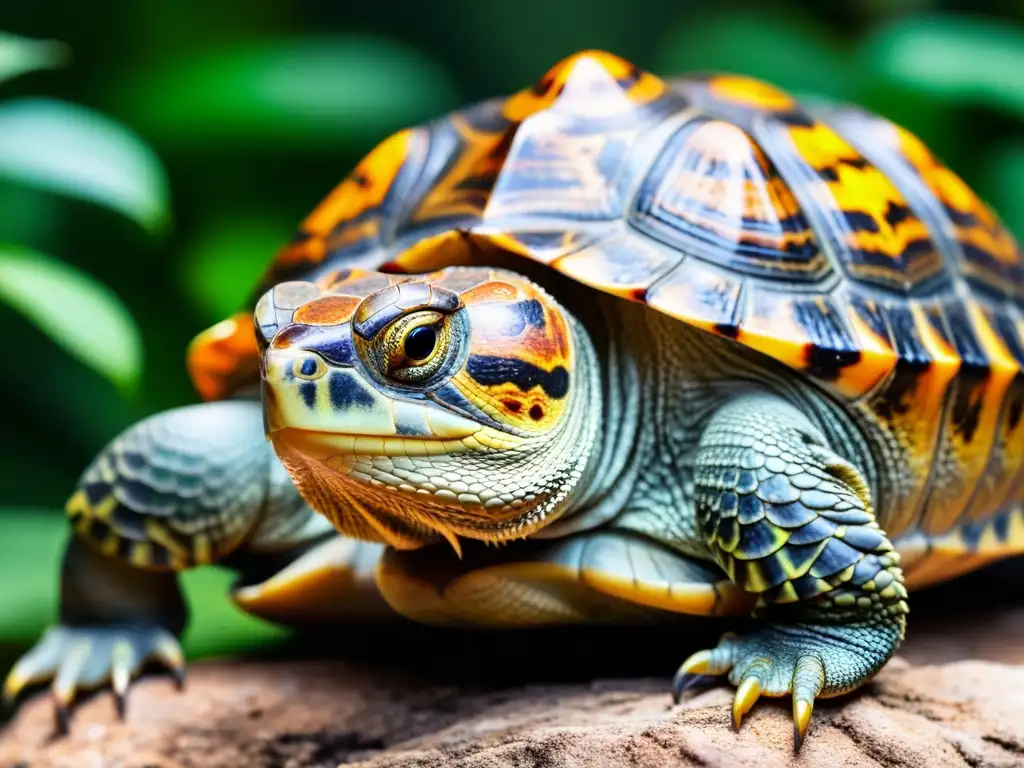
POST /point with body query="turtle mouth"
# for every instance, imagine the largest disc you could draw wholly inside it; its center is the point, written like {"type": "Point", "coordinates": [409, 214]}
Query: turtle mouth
{"type": "Point", "coordinates": [325, 445]}
{"type": "Point", "coordinates": [401, 488]}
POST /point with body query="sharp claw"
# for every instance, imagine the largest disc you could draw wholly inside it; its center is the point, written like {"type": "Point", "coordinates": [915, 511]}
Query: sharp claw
{"type": "Point", "coordinates": [698, 663]}
{"type": "Point", "coordinates": [693, 669]}
{"type": "Point", "coordinates": [167, 651]}
{"type": "Point", "coordinates": [61, 719]}
{"type": "Point", "coordinates": [684, 682]}
{"type": "Point", "coordinates": [747, 694]}
{"type": "Point", "coordinates": [12, 687]}
{"type": "Point", "coordinates": [121, 704]}
{"type": "Point", "coordinates": [122, 661]}
{"type": "Point", "coordinates": [178, 673]}
{"type": "Point", "coordinates": [808, 679]}
{"type": "Point", "coordinates": [802, 710]}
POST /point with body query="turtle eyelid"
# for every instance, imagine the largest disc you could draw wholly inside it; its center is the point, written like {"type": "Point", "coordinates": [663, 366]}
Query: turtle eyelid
{"type": "Point", "coordinates": [381, 309]}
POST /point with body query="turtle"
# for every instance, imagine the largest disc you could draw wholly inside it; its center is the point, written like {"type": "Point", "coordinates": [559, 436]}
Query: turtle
{"type": "Point", "coordinates": [613, 348]}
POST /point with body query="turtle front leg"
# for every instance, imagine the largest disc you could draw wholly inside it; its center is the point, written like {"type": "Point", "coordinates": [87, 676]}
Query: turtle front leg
{"type": "Point", "coordinates": [185, 487]}
{"type": "Point", "coordinates": [791, 521]}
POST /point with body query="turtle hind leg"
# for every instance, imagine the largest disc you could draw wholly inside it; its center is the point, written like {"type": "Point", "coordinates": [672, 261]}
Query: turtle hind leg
{"type": "Point", "coordinates": [184, 487]}
{"type": "Point", "coordinates": [790, 521]}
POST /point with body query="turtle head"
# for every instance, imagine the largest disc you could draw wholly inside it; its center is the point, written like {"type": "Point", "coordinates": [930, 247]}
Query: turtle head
{"type": "Point", "coordinates": [459, 403]}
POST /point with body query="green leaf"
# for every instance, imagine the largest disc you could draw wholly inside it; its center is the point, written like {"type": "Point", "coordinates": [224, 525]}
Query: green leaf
{"type": "Point", "coordinates": [330, 90]}
{"type": "Point", "coordinates": [19, 55]}
{"type": "Point", "coordinates": [962, 59]}
{"type": "Point", "coordinates": [791, 51]}
{"type": "Point", "coordinates": [78, 152]}
{"type": "Point", "coordinates": [220, 269]}
{"type": "Point", "coordinates": [83, 316]}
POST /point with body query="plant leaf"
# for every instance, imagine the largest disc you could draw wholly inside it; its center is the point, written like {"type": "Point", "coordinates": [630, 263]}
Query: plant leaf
{"type": "Point", "coordinates": [331, 89]}
{"type": "Point", "coordinates": [19, 55]}
{"type": "Point", "coordinates": [958, 58]}
{"type": "Point", "coordinates": [80, 153]}
{"type": "Point", "coordinates": [83, 316]}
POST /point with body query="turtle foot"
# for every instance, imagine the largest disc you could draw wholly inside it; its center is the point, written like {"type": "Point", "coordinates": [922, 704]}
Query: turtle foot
{"type": "Point", "coordinates": [804, 660]}
{"type": "Point", "coordinates": [78, 658]}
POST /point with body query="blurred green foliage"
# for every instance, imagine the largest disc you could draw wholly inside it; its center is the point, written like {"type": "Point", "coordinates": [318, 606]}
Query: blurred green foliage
{"type": "Point", "coordinates": [153, 160]}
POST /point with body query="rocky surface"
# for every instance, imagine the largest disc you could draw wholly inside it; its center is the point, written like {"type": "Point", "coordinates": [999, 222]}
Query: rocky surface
{"type": "Point", "coordinates": [953, 697]}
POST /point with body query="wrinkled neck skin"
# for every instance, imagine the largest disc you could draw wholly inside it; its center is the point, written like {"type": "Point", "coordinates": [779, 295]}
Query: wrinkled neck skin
{"type": "Point", "coordinates": [616, 400]}
{"type": "Point", "coordinates": [660, 382]}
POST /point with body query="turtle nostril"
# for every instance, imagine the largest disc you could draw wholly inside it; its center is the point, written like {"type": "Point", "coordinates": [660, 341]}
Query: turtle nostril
{"type": "Point", "coordinates": [310, 368]}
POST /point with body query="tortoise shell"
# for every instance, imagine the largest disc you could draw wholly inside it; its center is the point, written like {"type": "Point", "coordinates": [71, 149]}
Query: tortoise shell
{"type": "Point", "coordinates": [823, 236]}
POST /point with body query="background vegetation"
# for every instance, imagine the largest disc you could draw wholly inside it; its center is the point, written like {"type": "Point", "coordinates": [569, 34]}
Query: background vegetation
{"type": "Point", "coordinates": [153, 156]}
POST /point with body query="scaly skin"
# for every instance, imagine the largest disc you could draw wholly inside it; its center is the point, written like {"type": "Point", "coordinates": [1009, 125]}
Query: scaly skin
{"type": "Point", "coordinates": [187, 486]}
{"type": "Point", "coordinates": [791, 521]}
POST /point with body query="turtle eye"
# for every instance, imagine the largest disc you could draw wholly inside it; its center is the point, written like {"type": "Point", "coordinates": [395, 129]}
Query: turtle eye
{"type": "Point", "coordinates": [416, 348]}
{"type": "Point", "coordinates": [420, 343]}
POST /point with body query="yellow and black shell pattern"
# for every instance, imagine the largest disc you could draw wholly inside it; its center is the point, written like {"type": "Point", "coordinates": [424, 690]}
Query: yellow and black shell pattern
{"type": "Point", "coordinates": [822, 236]}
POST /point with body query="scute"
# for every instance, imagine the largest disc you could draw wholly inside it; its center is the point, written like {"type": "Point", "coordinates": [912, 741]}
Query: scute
{"type": "Point", "coordinates": [712, 192]}
{"type": "Point", "coordinates": [974, 239]}
{"type": "Point", "coordinates": [822, 236]}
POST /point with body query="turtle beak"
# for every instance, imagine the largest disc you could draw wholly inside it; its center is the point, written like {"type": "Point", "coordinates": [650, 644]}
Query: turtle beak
{"type": "Point", "coordinates": [334, 410]}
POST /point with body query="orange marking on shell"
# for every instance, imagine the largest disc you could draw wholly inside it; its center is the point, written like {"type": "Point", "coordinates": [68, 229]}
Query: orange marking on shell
{"type": "Point", "coordinates": [749, 92]}
{"type": "Point", "coordinates": [464, 190]}
{"type": "Point", "coordinates": [224, 357]}
{"type": "Point", "coordinates": [624, 264]}
{"type": "Point", "coordinates": [752, 189]}
{"type": "Point", "coordinates": [1007, 458]}
{"type": "Point", "coordinates": [770, 326]}
{"type": "Point", "coordinates": [987, 396]}
{"type": "Point", "coordinates": [864, 189]}
{"type": "Point", "coordinates": [327, 310]}
{"type": "Point", "coordinates": [363, 189]}
{"type": "Point", "coordinates": [988, 235]}
{"type": "Point", "coordinates": [718, 185]}
{"type": "Point", "coordinates": [916, 420]}
{"type": "Point", "coordinates": [595, 82]}
{"type": "Point", "coordinates": [308, 251]}
{"type": "Point", "coordinates": [447, 249]}
{"type": "Point", "coordinates": [877, 359]}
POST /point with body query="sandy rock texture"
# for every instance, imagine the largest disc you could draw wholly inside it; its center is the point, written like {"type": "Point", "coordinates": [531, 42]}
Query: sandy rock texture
{"type": "Point", "coordinates": [953, 697]}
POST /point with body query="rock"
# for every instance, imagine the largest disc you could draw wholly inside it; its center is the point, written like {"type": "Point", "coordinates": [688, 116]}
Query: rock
{"type": "Point", "coordinates": [954, 696]}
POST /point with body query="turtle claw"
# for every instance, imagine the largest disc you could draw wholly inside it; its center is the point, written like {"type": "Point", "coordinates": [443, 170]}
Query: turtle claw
{"type": "Point", "coordinates": [771, 662]}
{"type": "Point", "coordinates": [747, 694]}
{"type": "Point", "coordinates": [683, 682]}
{"type": "Point", "coordinates": [802, 709]}
{"type": "Point", "coordinates": [61, 719]}
{"type": "Point", "coordinates": [78, 658]}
